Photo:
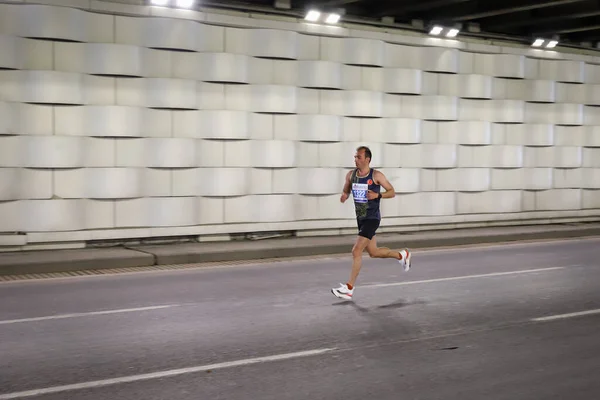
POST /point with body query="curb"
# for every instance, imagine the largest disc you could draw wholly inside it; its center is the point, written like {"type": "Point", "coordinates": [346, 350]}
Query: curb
{"type": "Point", "coordinates": [39, 262]}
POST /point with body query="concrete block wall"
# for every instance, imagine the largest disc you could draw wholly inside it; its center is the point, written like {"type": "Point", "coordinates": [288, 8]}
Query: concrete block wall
{"type": "Point", "coordinates": [120, 126]}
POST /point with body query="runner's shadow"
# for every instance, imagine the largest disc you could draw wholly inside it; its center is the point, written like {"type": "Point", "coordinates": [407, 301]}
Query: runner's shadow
{"type": "Point", "coordinates": [401, 304]}
{"type": "Point", "coordinates": [352, 304]}
{"type": "Point", "coordinates": [397, 304]}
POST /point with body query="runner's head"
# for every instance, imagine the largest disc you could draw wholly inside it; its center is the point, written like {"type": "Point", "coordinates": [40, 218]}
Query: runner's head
{"type": "Point", "coordinates": [362, 157]}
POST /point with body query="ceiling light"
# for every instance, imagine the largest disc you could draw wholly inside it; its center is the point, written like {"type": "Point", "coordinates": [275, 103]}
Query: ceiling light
{"type": "Point", "coordinates": [436, 30]}
{"type": "Point", "coordinates": [185, 3]}
{"type": "Point", "coordinates": [313, 16]}
{"type": "Point", "coordinates": [552, 44]}
{"type": "Point", "coordinates": [538, 42]}
{"type": "Point", "coordinates": [452, 32]}
{"type": "Point", "coordinates": [333, 18]}
{"type": "Point", "coordinates": [160, 2]}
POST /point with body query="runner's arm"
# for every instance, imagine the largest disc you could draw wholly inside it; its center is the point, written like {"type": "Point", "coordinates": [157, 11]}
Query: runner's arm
{"type": "Point", "coordinates": [381, 179]}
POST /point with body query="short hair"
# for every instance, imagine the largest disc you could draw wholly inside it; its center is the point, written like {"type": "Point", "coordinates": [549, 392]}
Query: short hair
{"type": "Point", "coordinates": [367, 152]}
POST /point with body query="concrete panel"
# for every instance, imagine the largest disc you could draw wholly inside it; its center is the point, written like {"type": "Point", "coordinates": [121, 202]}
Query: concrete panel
{"type": "Point", "coordinates": [352, 77]}
{"type": "Point", "coordinates": [156, 212]}
{"type": "Point", "coordinates": [530, 134]}
{"type": "Point", "coordinates": [328, 207]}
{"type": "Point", "coordinates": [464, 132]}
{"type": "Point", "coordinates": [571, 93]}
{"type": "Point", "coordinates": [23, 184]}
{"type": "Point", "coordinates": [261, 98]}
{"type": "Point", "coordinates": [312, 128]}
{"type": "Point", "coordinates": [558, 199]}
{"type": "Point", "coordinates": [356, 103]}
{"type": "Point", "coordinates": [308, 47]}
{"type": "Point", "coordinates": [590, 199]}
{"type": "Point", "coordinates": [25, 119]}
{"type": "Point", "coordinates": [272, 43]}
{"type": "Point", "coordinates": [497, 201]}
{"type": "Point", "coordinates": [568, 178]}
{"type": "Point", "coordinates": [273, 208]}
{"type": "Point", "coordinates": [463, 179]}
{"type": "Point", "coordinates": [392, 80]}
{"type": "Point", "coordinates": [61, 23]}
{"type": "Point", "coordinates": [438, 59]}
{"type": "Point", "coordinates": [211, 182]}
{"type": "Point", "coordinates": [210, 210]}
{"type": "Point", "coordinates": [404, 180]}
{"type": "Point", "coordinates": [435, 108]}
{"type": "Point", "coordinates": [210, 153]}
{"type": "Point", "coordinates": [100, 152]}
{"type": "Point", "coordinates": [558, 114]}
{"type": "Point", "coordinates": [319, 180]}
{"type": "Point", "coordinates": [466, 86]}
{"type": "Point", "coordinates": [157, 93]}
{"type": "Point", "coordinates": [591, 157]}
{"type": "Point", "coordinates": [500, 111]}
{"type": "Point", "coordinates": [557, 157]}
{"type": "Point", "coordinates": [522, 178]}
{"type": "Point", "coordinates": [423, 156]}
{"type": "Point", "coordinates": [426, 204]}
{"type": "Point", "coordinates": [562, 70]}
{"type": "Point", "coordinates": [319, 74]}
{"type": "Point", "coordinates": [285, 180]}
{"type": "Point", "coordinates": [500, 65]}
{"type": "Point", "coordinates": [540, 91]}
{"type": "Point", "coordinates": [212, 124]}
{"type": "Point", "coordinates": [99, 58]}
{"type": "Point", "coordinates": [490, 156]}
{"type": "Point", "coordinates": [210, 67]}
{"type": "Point", "coordinates": [592, 136]}
{"type": "Point", "coordinates": [592, 73]}
{"type": "Point", "coordinates": [391, 130]}
{"type": "Point", "coordinates": [570, 135]}
{"type": "Point", "coordinates": [99, 183]}
{"type": "Point", "coordinates": [211, 96]}
{"type": "Point", "coordinates": [401, 56]}
{"type": "Point", "coordinates": [112, 121]}
{"type": "Point", "coordinates": [169, 33]}
{"type": "Point", "coordinates": [353, 51]}
{"type": "Point", "coordinates": [41, 87]}
{"type": "Point", "coordinates": [56, 215]}
{"type": "Point", "coordinates": [261, 180]}
{"type": "Point", "coordinates": [260, 154]}
{"type": "Point", "coordinates": [99, 90]}
{"type": "Point", "coordinates": [156, 152]}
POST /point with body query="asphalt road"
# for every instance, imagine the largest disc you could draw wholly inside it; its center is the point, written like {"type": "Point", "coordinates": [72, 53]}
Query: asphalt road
{"type": "Point", "coordinates": [462, 324]}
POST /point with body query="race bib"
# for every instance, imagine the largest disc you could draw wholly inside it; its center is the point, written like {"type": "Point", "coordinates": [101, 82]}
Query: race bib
{"type": "Point", "coordinates": [359, 191]}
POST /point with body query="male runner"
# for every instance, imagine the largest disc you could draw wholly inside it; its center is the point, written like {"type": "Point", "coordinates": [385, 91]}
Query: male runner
{"type": "Point", "coordinates": [366, 184]}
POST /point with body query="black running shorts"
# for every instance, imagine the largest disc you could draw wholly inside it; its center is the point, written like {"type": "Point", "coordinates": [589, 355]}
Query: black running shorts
{"type": "Point", "coordinates": [367, 227]}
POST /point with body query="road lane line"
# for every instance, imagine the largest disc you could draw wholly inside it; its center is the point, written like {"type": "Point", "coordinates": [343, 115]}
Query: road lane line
{"type": "Point", "coordinates": [564, 316]}
{"type": "Point", "coordinates": [456, 278]}
{"type": "Point", "coordinates": [85, 314]}
{"type": "Point", "coordinates": [162, 374]}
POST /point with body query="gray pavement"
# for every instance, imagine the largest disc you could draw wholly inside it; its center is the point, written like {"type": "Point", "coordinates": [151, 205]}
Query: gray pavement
{"type": "Point", "coordinates": [97, 258]}
{"type": "Point", "coordinates": [460, 325]}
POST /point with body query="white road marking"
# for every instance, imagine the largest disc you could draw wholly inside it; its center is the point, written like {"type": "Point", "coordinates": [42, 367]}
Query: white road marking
{"type": "Point", "coordinates": [569, 315]}
{"type": "Point", "coordinates": [161, 374]}
{"type": "Point", "coordinates": [85, 314]}
{"type": "Point", "coordinates": [455, 278]}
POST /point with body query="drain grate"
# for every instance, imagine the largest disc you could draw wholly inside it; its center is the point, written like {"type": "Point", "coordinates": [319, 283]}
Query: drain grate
{"type": "Point", "coordinates": [166, 267]}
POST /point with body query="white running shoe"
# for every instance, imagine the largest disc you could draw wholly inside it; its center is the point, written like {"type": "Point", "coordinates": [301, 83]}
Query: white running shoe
{"type": "Point", "coordinates": [406, 256]}
{"type": "Point", "coordinates": [343, 292]}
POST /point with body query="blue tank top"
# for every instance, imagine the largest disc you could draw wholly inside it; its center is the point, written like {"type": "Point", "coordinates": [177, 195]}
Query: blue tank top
{"type": "Point", "coordinates": [365, 208]}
